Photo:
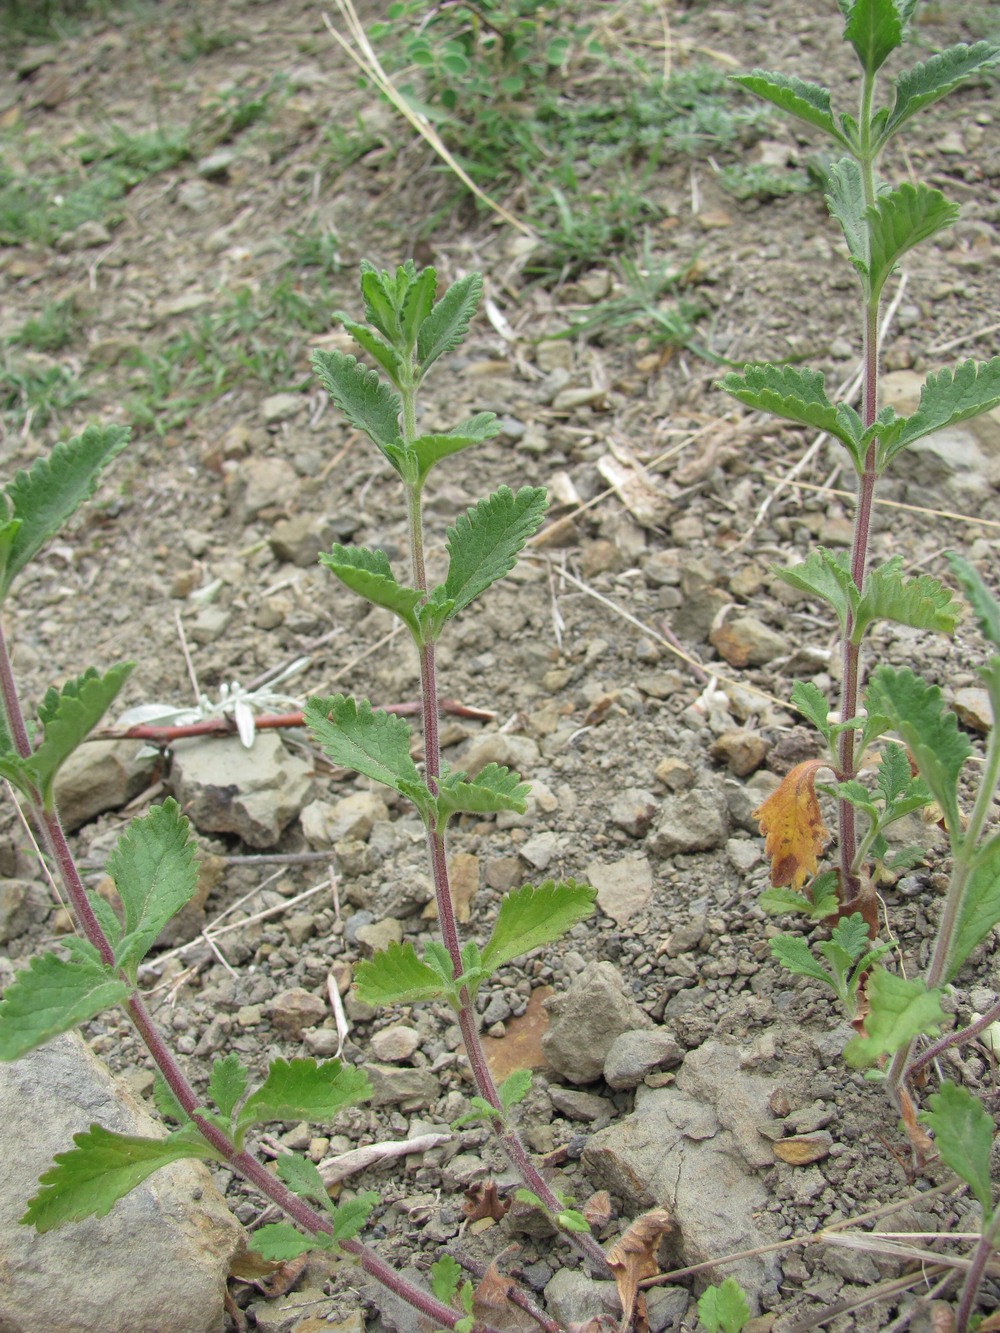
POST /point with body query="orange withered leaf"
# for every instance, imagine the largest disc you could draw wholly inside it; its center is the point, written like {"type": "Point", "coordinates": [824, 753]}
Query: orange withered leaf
{"type": "Point", "coordinates": [633, 1257]}
{"type": "Point", "coordinates": [790, 819]}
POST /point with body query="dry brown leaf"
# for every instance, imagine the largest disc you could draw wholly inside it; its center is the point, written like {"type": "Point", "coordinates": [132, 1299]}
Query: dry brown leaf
{"type": "Point", "coordinates": [920, 1141]}
{"type": "Point", "coordinates": [597, 1209]}
{"type": "Point", "coordinates": [790, 819]}
{"type": "Point", "coordinates": [484, 1201]}
{"type": "Point", "coordinates": [633, 1257]}
{"type": "Point", "coordinates": [492, 1304]}
{"type": "Point", "coordinates": [284, 1279]}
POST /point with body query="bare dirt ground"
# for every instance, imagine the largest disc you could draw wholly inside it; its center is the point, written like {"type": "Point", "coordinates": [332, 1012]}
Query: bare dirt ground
{"type": "Point", "coordinates": [668, 512]}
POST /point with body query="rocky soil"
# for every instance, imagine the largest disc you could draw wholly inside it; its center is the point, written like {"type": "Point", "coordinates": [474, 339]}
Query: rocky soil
{"type": "Point", "coordinates": [677, 1065]}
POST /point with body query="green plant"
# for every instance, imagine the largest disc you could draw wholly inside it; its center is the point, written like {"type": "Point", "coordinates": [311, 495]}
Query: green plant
{"type": "Point", "coordinates": [723, 1309]}
{"type": "Point", "coordinates": [880, 224]}
{"type": "Point", "coordinates": [36, 390]}
{"type": "Point", "coordinates": [52, 329]}
{"type": "Point", "coordinates": [153, 865]}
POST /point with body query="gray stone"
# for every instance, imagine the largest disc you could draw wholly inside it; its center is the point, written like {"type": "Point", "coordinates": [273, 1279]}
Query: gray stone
{"type": "Point", "coordinates": [299, 540]}
{"type": "Point", "coordinates": [296, 1009]}
{"type": "Point", "coordinates": [215, 166]}
{"type": "Point", "coordinates": [412, 1089]}
{"type": "Point", "coordinates": [972, 705]}
{"type": "Point", "coordinates": [380, 934]}
{"type": "Point", "coordinates": [395, 1043]}
{"type": "Point", "coordinates": [691, 821]}
{"type": "Point", "coordinates": [325, 823]}
{"type": "Point", "coordinates": [586, 1020]}
{"type": "Point", "coordinates": [84, 1276]}
{"type": "Point", "coordinates": [666, 1307]}
{"type": "Point", "coordinates": [540, 850]}
{"type": "Point", "coordinates": [633, 810]}
{"type": "Point", "coordinates": [624, 887]}
{"type": "Point", "coordinates": [743, 640]}
{"type": "Point", "coordinates": [99, 776]}
{"type": "Point", "coordinates": [281, 407]}
{"type": "Point", "coordinates": [23, 904]}
{"type": "Point", "coordinates": [572, 1298]}
{"type": "Point", "coordinates": [580, 1105]}
{"type": "Point", "coordinates": [260, 483]}
{"type": "Point", "coordinates": [225, 788]}
{"type": "Point", "coordinates": [517, 752]}
{"type": "Point", "coordinates": [685, 1148]}
{"type": "Point", "coordinates": [633, 1055]}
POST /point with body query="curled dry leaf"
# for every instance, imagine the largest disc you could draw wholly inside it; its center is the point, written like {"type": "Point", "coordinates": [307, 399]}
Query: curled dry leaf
{"type": "Point", "coordinates": [633, 1257]}
{"type": "Point", "coordinates": [920, 1141]}
{"type": "Point", "coordinates": [790, 819]}
{"type": "Point", "coordinates": [492, 1303]}
{"type": "Point", "coordinates": [484, 1201]}
{"type": "Point", "coordinates": [597, 1209]}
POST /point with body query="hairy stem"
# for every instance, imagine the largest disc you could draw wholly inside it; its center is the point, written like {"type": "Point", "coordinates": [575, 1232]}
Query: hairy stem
{"type": "Point", "coordinates": [970, 1288]}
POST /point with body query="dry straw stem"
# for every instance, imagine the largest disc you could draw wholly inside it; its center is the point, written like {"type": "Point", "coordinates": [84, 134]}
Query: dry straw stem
{"type": "Point", "coordinates": [975, 519]}
{"type": "Point", "coordinates": [360, 50]}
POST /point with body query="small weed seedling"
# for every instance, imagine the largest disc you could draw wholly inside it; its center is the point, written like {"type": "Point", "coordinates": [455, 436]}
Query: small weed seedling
{"type": "Point", "coordinates": [153, 865]}
{"type": "Point", "coordinates": [880, 224]}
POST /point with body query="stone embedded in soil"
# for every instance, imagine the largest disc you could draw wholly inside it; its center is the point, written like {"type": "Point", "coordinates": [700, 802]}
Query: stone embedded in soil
{"type": "Point", "coordinates": [83, 1277]}
{"type": "Point", "coordinates": [633, 810]}
{"type": "Point", "coordinates": [225, 788]}
{"type": "Point", "coordinates": [572, 1298]}
{"type": "Point", "coordinates": [23, 904]}
{"type": "Point", "coordinates": [973, 708]}
{"type": "Point", "coordinates": [741, 751]}
{"type": "Point", "coordinates": [578, 1105]}
{"type": "Point", "coordinates": [295, 1009]}
{"type": "Point", "coordinates": [281, 407]}
{"type": "Point", "coordinates": [743, 640]}
{"type": "Point", "coordinates": [379, 934]}
{"type": "Point", "coordinates": [585, 1021]}
{"type": "Point", "coordinates": [99, 776]}
{"type": "Point", "coordinates": [633, 1055]}
{"type": "Point", "coordinates": [691, 821]}
{"type": "Point", "coordinates": [395, 1043]}
{"type": "Point", "coordinates": [411, 1089]}
{"type": "Point", "coordinates": [260, 483]}
{"type": "Point", "coordinates": [541, 850]}
{"type": "Point", "coordinates": [300, 539]}
{"type": "Point", "coordinates": [624, 887]}
{"type": "Point", "coordinates": [517, 752]}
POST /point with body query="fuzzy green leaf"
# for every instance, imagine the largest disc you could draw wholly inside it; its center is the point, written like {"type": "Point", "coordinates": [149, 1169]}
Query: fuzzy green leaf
{"type": "Point", "coordinates": [934, 78]}
{"type": "Point", "coordinates": [155, 872]}
{"type": "Point", "coordinates": [874, 28]}
{"type": "Point", "coordinates": [67, 716]}
{"type": "Point", "coordinates": [899, 1011]}
{"type": "Point", "coordinates": [52, 995]}
{"type": "Point", "coordinates": [303, 1178]}
{"type": "Point", "coordinates": [349, 1217]}
{"type": "Point", "coordinates": [963, 1133]}
{"type": "Point", "coordinates": [448, 322]}
{"type": "Point", "coordinates": [279, 1241]}
{"type": "Point", "coordinates": [430, 449]}
{"type": "Point", "coordinates": [367, 403]}
{"type": "Point", "coordinates": [371, 741]}
{"type": "Point", "coordinates": [367, 573]}
{"type": "Point", "coordinates": [493, 789]}
{"type": "Point", "coordinates": [397, 976]}
{"type": "Point", "coordinates": [980, 908]}
{"type": "Point", "coordinates": [417, 305]}
{"type": "Point", "coordinates": [484, 542]}
{"type": "Point", "coordinates": [778, 901]}
{"type": "Point", "coordinates": [901, 219]}
{"type": "Point", "coordinates": [304, 1090]}
{"type": "Point", "coordinates": [376, 348]}
{"type": "Point", "coordinates": [723, 1309]}
{"type": "Point", "coordinates": [921, 602]}
{"type": "Point", "coordinates": [893, 777]}
{"type": "Point", "coordinates": [796, 395]}
{"type": "Point", "coordinates": [825, 575]}
{"type": "Point", "coordinates": [916, 712]}
{"type": "Point", "coordinates": [515, 1088]}
{"type": "Point", "coordinates": [812, 703]}
{"type": "Point", "coordinates": [227, 1083]}
{"type": "Point", "coordinates": [445, 1278]}
{"type": "Point", "coordinates": [945, 399]}
{"type": "Point", "coordinates": [985, 606]}
{"type": "Point", "coordinates": [380, 292]}
{"type": "Point", "coordinates": [794, 954]}
{"type": "Point", "coordinates": [530, 917]}
{"type": "Point", "coordinates": [43, 498]}
{"type": "Point", "coordinates": [807, 101]}
{"type": "Point", "coordinates": [845, 198]}
{"type": "Point", "coordinates": [88, 1180]}
{"type": "Point", "coordinates": [166, 1103]}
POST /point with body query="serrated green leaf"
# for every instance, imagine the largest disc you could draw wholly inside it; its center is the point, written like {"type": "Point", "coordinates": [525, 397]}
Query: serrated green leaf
{"type": "Point", "coordinates": [530, 917]}
{"type": "Point", "coordinates": [825, 575]}
{"type": "Point", "coordinates": [893, 777]}
{"type": "Point", "coordinates": [793, 953]}
{"type": "Point", "coordinates": [723, 1309]}
{"type": "Point", "coordinates": [368, 573]}
{"type": "Point", "coordinates": [430, 449]}
{"type": "Point", "coordinates": [67, 716]}
{"type": "Point", "coordinates": [899, 1010]}
{"type": "Point", "coordinates": [155, 873]}
{"type": "Point", "coordinates": [52, 995]}
{"type": "Point", "coordinates": [845, 198]}
{"type": "Point", "coordinates": [448, 322]}
{"type": "Point", "coordinates": [227, 1083]}
{"type": "Point", "coordinates": [303, 1178]}
{"type": "Point", "coordinates": [777, 901]}
{"type": "Point", "coordinates": [812, 703]}
{"type": "Point", "coordinates": [481, 1110]}
{"type": "Point", "coordinates": [933, 78]}
{"type": "Point", "coordinates": [922, 602]}
{"type": "Point", "coordinates": [88, 1180]}
{"type": "Point", "coordinates": [417, 305]}
{"type": "Point", "coordinates": [166, 1103]}
{"type": "Point", "coordinates": [945, 399]}
{"type": "Point", "coordinates": [484, 542]}
{"type": "Point", "coordinates": [874, 29]}
{"type": "Point", "coordinates": [106, 918]}
{"type": "Point", "coordinates": [304, 1090]}
{"type": "Point", "coordinates": [916, 712]}
{"type": "Point", "coordinates": [797, 395]}
{"type": "Point", "coordinates": [396, 976]}
{"type": "Point", "coordinates": [367, 403]}
{"type": "Point", "coordinates": [380, 351]}
{"type": "Point", "coordinates": [43, 498]}
{"type": "Point", "coordinates": [371, 741]}
{"type": "Point", "coordinates": [279, 1241]}
{"type": "Point", "coordinates": [445, 1278]}
{"type": "Point", "coordinates": [899, 220]}
{"type": "Point", "coordinates": [806, 101]}
{"type": "Point", "coordinates": [851, 935]}
{"type": "Point", "coordinates": [493, 789]}
{"type": "Point", "coordinates": [351, 1215]}
{"type": "Point", "coordinates": [985, 607]}
{"type": "Point", "coordinates": [571, 1220]}
{"type": "Point", "coordinates": [856, 793]}
{"type": "Point", "coordinates": [380, 292]}
{"type": "Point", "coordinates": [979, 911]}
{"type": "Point", "coordinates": [963, 1134]}
{"type": "Point", "coordinates": [514, 1089]}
